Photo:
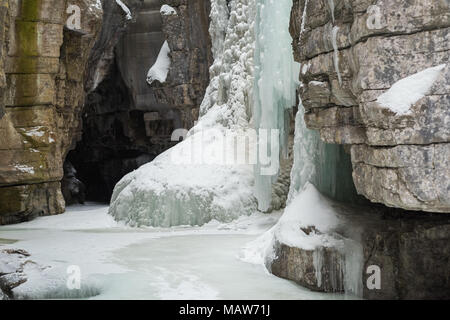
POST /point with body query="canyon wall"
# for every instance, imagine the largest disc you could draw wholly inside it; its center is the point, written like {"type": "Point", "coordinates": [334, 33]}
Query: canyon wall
{"type": "Point", "coordinates": [42, 73]}
{"type": "Point", "coordinates": [354, 51]}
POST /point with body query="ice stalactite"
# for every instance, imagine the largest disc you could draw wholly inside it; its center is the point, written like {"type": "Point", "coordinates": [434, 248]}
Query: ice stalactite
{"type": "Point", "coordinates": [318, 169]}
{"type": "Point", "coordinates": [219, 23]}
{"type": "Point", "coordinates": [334, 33]}
{"type": "Point", "coordinates": [195, 182]}
{"type": "Point", "coordinates": [276, 75]}
{"type": "Point", "coordinates": [302, 27]}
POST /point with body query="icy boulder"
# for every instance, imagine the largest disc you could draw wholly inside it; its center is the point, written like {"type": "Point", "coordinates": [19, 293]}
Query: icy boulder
{"type": "Point", "coordinates": [204, 177]}
{"type": "Point", "coordinates": [185, 186]}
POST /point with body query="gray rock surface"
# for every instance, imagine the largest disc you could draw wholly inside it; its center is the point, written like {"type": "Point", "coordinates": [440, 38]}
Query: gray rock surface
{"type": "Point", "coordinates": [399, 160]}
{"type": "Point", "coordinates": [411, 251]}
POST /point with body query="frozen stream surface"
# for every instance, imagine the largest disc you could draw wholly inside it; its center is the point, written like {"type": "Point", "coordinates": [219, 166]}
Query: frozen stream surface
{"type": "Point", "coordinates": [119, 262]}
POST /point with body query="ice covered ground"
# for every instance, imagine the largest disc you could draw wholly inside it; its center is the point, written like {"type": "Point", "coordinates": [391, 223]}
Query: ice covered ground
{"type": "Point", "coordinates": [119, 262]}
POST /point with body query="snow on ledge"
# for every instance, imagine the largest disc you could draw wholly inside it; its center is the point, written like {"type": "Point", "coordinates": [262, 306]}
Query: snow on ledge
{"type": "Point", "coordinates": [161, 67]}
{"type": "Point", "coordinates": [125, 9]}
{"type": "Point", "coordinates": [167, 10]}
{"type": "Point", "coordinates": [406, 92]}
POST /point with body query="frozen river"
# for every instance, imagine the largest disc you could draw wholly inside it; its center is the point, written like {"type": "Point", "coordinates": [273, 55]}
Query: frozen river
{"type": "Point", "coordinates": [118, 262]}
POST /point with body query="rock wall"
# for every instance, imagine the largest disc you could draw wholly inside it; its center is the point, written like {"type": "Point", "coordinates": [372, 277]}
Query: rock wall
{"type": "Point", "coordinates": [411, 253]}
{"type": "Point", "coordinates": [354, 51]}
{"type": "Point", "coordinates": [43, 94]}
{"type": "Point", "coordinates": [351, 53]}
{"type": "Point", "coordinates": [128, 122]}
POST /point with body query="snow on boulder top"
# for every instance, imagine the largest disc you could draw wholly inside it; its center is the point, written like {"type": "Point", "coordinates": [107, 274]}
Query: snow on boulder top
{"type": "Point", "coordinates": [167, 10]}
{"type": "Point", "coordinates": [125, 9]}
{"type": "Point", "coordinates": [406, 92]}
{"type": "Point", "coordinates": [161, 67]}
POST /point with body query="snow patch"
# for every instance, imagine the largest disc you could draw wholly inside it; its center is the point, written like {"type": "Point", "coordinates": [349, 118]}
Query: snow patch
{"type": "Point", "coordinates": [160, 70]}
{"type": "Point", "coordinates": [408, 91]}
{"type": "Point", "coordinates": [35, 132]}
{"type": "Point", "coordinates": [125, 9]}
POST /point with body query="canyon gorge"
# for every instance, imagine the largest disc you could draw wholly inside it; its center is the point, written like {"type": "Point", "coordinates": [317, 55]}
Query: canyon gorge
{"type": "Point", "coordinates": [356, 90]}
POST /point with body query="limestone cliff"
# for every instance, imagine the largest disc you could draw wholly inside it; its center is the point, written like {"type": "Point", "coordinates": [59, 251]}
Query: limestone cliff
{"type": "Point", "coordinates": [354, 51]}
{"type": "Point", "coordinates": [43, 94]}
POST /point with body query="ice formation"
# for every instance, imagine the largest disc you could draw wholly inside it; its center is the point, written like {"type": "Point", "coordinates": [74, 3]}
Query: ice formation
{"type": "Point", "coordinates": [189, 184]}
{"type": "Point", "coordinates": [159, 71]}
{"type": "Point", "coordinates": [406, 92]}
{"type": "Point", "coordinates": [276, 75]}
{"type": "Point", "coordinates": [334, 32]}
{"type": "Point", "coordinates": [125, 9]}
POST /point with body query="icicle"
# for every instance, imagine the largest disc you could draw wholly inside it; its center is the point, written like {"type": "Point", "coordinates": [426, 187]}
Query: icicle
{"type": "Point", "coordinates": [218, 27]}
{"type": "Point", "coordinates": [336, 52]}
{"type": "Point", "coordinates": [331, 4]}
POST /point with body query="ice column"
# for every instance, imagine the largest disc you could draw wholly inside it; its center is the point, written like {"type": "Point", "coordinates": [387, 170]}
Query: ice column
{"type": "Point", "coordinates": [276, 75]}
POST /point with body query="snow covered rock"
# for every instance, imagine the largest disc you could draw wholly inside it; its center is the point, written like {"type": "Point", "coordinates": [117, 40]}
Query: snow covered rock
{"type": "Point", "coordinates": [386, 96]}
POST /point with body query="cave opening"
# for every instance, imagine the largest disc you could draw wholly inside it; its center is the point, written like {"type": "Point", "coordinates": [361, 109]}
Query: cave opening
{"type": "Point", "coordinates": [116, 138]}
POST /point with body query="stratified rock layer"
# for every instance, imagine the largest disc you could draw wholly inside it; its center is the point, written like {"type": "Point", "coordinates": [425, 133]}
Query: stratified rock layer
{"type": "Point", "coordinates": [43, 94]}
{"type": "Point", "coordinates": [412, 255]}
{"type": "Point", "coordinates": [352, 52]}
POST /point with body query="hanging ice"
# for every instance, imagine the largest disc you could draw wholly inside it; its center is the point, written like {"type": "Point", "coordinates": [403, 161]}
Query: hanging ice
{"type": "Point", "coordinates": [276, 76]}
{"type": "Point", "coordinates": [190, 184]}
{"type": "Point", "coordinates": [125, 9]}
